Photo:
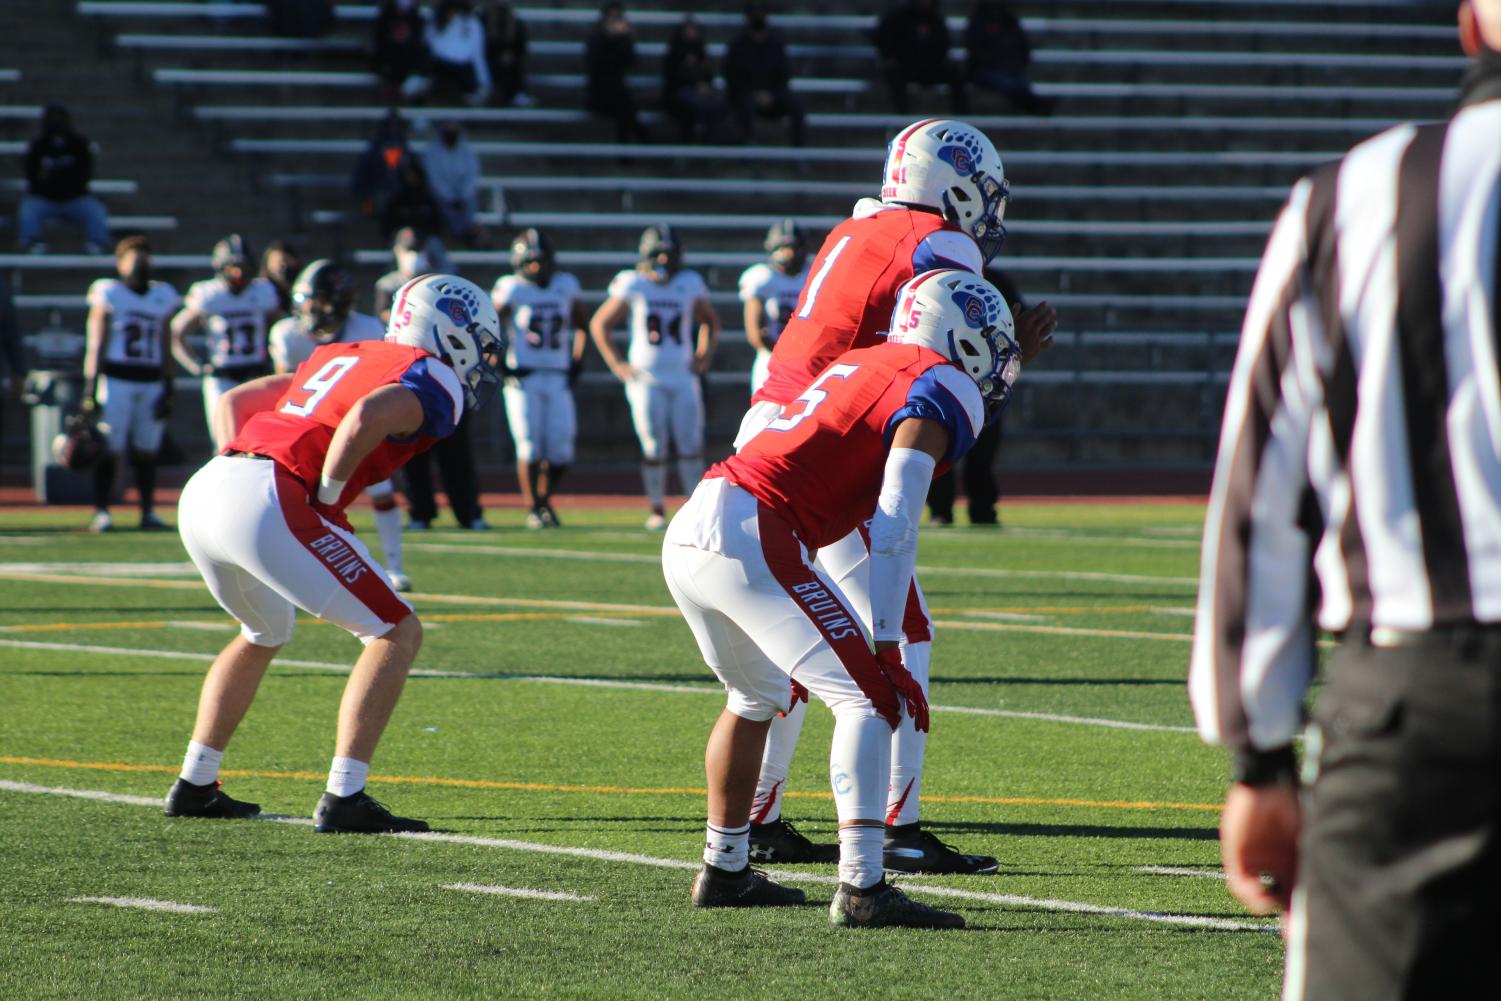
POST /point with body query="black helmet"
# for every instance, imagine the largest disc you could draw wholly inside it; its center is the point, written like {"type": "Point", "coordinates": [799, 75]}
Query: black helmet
{"type": "Point", "coordinates": [322, 297]}
{"type": "Point", "coordinates": [234, 250]}
{"type": "Point", "coordinates": [531, 246]}
{"type": "Point", "coordinates": [660, 240]}
{"type": "Point", "coordinates": [787, 243]}
{"type": "Point", "coordinates": [81, 444]}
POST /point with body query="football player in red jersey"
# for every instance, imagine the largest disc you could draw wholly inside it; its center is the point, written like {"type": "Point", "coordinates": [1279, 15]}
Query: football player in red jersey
{"type": "Point", "coordinates": [942, 203]}
{"type": "Point", "coordinates": [862, 442]}
{"type": "Point", "coordinates": [264, 523]}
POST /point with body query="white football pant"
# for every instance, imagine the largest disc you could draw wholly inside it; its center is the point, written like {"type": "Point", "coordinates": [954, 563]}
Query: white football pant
{"type": "Point", "coordinates": [128, 408]}
{"type": "Point", "coordinates": [540, 411]}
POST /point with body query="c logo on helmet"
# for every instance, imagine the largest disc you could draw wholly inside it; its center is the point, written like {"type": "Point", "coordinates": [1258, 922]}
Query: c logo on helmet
{"type": "Point", "coordinates": [959, 158]}
{"type": "Point", "coordinates": [973, 307]}
{"type": "Point", "coordinates": [456, 310]}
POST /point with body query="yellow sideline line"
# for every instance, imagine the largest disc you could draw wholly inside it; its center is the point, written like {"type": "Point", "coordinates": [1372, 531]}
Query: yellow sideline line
{"type": "Point", "coordinates": [120, 766]}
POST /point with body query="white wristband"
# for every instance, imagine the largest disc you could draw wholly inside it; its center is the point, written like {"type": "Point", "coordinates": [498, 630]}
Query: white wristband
{"type": "Point", "coordinates": [330, 489]}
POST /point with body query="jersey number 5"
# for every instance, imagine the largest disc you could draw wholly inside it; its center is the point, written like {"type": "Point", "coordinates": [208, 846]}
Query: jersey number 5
{"type": "Point", "coordinates": [319, 385]}
{"type": "Point", "coordinates": [812, 397]}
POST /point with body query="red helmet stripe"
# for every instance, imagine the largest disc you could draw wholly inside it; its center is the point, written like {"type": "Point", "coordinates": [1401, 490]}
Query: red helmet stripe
{"type": "Point", "coordinates": [899, 145]}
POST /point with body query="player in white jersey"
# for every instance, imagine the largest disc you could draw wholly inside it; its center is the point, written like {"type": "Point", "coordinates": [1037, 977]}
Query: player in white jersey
{"type": "Point", "coordinates": [128, 374]}
{"type": "Point", "coordinates": [673, 333]}
{"type": "Point", "coordinates": [770, 291]}
{"type": "Point", "coordinates": [323, 313]}
{"type": "Point", "coordinates": [544, 324]}
{"type": "Point", "coordinates": [236, 311]}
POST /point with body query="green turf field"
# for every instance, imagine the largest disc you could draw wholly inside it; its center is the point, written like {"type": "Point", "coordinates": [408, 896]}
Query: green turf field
{"type": "Point", "coordinates": [556, 745]}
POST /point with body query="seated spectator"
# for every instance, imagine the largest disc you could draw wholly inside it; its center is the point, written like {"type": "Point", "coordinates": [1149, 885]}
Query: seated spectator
{"type": "Point", "coordinates": [411, 204]}
{"type": "Point", "coordinates": [398, 51]}
{"type": "Point", "coordinates": [689, 94]}
{"type": "Point", "coordinates": [300, 18]}
{"type": "Point", "coordinates": [913, 41]}
{"type": "Point", "coordinates": [280, 264]}
{"type": "Point", "coordinates": [59, 166]}
{"type": "Point", "coordinates": [609, 55]}
{"type": "Point", "coordinates": [758, 78]}
{"type": "Point", "coordinates": [374, 177]}
{"type": "Point", "coordinates": [1000, 56]}
{"type": "Point", "coordinates": [452, 178]}
{"type": "Point", "coordinates": [456, 63]}
{"type": "Point", "coordinates": [505, 52]}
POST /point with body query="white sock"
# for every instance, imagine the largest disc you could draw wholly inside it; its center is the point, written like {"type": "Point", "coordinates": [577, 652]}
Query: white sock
{"type": "Point", "coordinates": [388, 526]}
{"type": "Point", "coordinates": [781, 743]}
{"type": "Point", "coordinates": [690, 471]}
{"type": "Point", "coordinates": [346, 776]}
{"type": "Point", "coordinates": [727, 848]}
{"type": "Point", "coordinates": [908, 746]}
{"type": "Point", "coordinates": [861, 854]}
{"type": "Point", "coordinates": [654, 478]}
{"type": "Point", "coordinates": [201, 764]}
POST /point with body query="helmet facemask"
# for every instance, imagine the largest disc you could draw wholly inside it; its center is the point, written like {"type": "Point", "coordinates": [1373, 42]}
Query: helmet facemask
{"type": "Point", "coordinates": [982, 221]}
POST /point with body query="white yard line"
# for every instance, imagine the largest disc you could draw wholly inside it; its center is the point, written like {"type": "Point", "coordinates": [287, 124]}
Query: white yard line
{"type": "Point", "coordinates": [516, 891]}
{"type": "Point", "coordinates": [145, 904]}
{"type": "Point", "coordinates": [598, 620]}
{"type": "Point", "coordinates": [1008, 616]}
{"type": "Point", "coordinates": [641, 686]}
{"type": "Point", "coordinates": [132, 570]}
{"type": "Point", "coordinates": [1173, 870]}
{"type": "Point", "coordinates": [601, 855]}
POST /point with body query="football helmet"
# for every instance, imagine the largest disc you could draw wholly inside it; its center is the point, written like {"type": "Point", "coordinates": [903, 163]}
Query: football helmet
{"type": "Point", "coordinates": [322, 297]}
{"type": "Point", "coordinates": [964, 318]}
{"type": "Point", "coordinates": [81, 444]}
{"type": "Point", "coordinates": [661, 252]}
{"type": "Point", "coordinates": [449, 317]}
{"type": "Point", "coordinates": [787, 243]}
{"type": "Point", "coordinates": [952, 168]}
{"type": "Point", "coordinates": [531, 248]}
{"type": "Point", "coordinates": [232, 260]}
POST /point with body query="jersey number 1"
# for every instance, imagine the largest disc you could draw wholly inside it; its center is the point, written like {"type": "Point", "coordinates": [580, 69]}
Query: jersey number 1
{"type": "Point", "coordinates": [812, 397]}
{"type": "Point", "coordinates": [319, 385]}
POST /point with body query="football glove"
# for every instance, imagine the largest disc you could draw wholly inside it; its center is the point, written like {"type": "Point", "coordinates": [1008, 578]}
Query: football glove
{"type": "Point", "coordinates": [889, 661]}
{"type": "Point", "coordinates": [799, 694]}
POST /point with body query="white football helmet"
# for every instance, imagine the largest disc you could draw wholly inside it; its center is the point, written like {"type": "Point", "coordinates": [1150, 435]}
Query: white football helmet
{"type": "Point", "coordinates": [951, 167]}
{"type": "Point", "coordinates": [450, 317]}
{"type": "Point", "coordinates": [963, 318]}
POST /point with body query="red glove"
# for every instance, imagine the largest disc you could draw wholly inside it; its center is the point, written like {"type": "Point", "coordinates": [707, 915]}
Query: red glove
{"type": "Point", "coordinates": [906, 686]}
{"type": "Point", "coordinates": [799, 694]}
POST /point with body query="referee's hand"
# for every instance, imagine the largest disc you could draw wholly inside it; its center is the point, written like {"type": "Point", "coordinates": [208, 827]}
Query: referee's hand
{"type": "Point", "coordinates": [1259, 844]}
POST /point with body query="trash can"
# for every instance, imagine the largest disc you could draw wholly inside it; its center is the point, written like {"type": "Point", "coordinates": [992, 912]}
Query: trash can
{"type": "Point", "coordinates": [54, 395]}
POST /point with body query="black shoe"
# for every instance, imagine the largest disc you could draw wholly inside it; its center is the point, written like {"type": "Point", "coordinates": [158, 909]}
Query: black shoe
{"type": "Point", "coordinates": [780, 842]}
{"type": "Point", "coordinates": [359, 813]}
{"type": "Point", "coordinates": [549, 516]}
{"type": "Point", "coordinates": [747, 888]}
{"type": "Point", "coordinates": [185, 799]}
{"type": "Point", "coordinates": [911, 849]}
{"type": "Point", "coordinates": [884, 906]}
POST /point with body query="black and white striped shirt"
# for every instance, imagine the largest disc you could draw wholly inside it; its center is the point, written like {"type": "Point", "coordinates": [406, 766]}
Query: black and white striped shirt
{"type": "Point", "coordinates": [1358, 484]}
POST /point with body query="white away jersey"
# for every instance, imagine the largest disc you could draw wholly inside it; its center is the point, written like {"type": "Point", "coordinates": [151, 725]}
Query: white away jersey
{"type": "Point", "coordinates": [663, 333]}
{"type": "Point", "coordinates": [291, 345]}
{"type": "Point", "coordinates": [541, 322]}
{"type": "Point", "coordinates": [236, 324]}
{"type": "Point", "coordinates": [777, 291]}
{"type": "Point", "coordinates": [137, 323]}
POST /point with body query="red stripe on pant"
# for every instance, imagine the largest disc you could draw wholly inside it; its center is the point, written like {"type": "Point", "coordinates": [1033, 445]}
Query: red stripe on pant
{"type": "Point", "coordinates": [916, 626]}
{"type": "Point", "coordinates": [367, 583]}
{"type": "Point", "coordinates": [839, 626]}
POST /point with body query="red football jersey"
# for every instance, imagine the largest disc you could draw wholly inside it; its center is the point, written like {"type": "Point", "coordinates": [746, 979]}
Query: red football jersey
{"type": "Point", "coordinates": [820, 464]}
{"type": "Point", "coordinates": [299, 429]}
{"type": "Point", "coordinates": [852, 285]}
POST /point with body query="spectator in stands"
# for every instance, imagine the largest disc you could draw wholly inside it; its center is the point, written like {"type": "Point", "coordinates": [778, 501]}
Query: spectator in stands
{"type": "Point", "coordinates": [689, 94]}
{"type": "Point", "coordinates": [505, 52]}
{"type": "Point", "coordinates": [280, 264]}
{"type": "Point", "coordinates": [12, 358]}
{"type": "Point", "coordinates": [399, 53]}
{"type": "Point", "coordinates": [1000, 56]}
{"type": "Point", "coordinates": [375, 172]}
{"type": "Point", "coordinates": [456, 62]}
{"type": "Point", "coordinates": [300, 18]}
{"type": "Point", "coordinates": [412, 203]}
{"type": "Point", "coordinates": [609, 55]}
{"type": "Point", "coordinates": [59, 167]}
{"type": "Point", "coordinates": [913, 42]}
{"type": "Point", "coordinates": [759, 79]}
{"type": "Point", "coordinates": [452, 179]}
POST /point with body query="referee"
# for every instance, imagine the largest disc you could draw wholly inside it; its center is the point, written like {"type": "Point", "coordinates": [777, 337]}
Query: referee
{"type": "Point", "coordinates": [1358, 490]}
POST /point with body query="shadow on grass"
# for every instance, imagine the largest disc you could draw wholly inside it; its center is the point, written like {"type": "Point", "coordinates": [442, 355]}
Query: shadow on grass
{"type": "Point", "coordinates": [1072, 830]}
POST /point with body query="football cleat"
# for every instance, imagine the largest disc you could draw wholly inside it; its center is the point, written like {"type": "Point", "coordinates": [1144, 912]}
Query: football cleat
{"type": "Point", "coordinates": [418, 526]}
{"type": "Point", "coordinates": [185, 799]}
{"type": "Point", "coordinates": [101, 522]}
{"type": "Point", "coordinates": [534, 521]}
{"type": "Point", "coordinates": [359, 813]}
{"type": "Point", "coordinates": [884, 906]}
{"type": "Point", "coordinates": [656, 521]}
{"type": "Point", "coordinates": [911, 849]}
{"type": "Point", "coordinates": [400, 582]}
{"type": "Point", "coordinates": [478, 525]}
{"type": "Point", "coordinates": [550, 517]}
{"type": "Point", "coordinates": [151, 522]}
{"type": "Point", "coordinates": [747, 888]}
{"type": "Point", "coordinates": [780, 842]}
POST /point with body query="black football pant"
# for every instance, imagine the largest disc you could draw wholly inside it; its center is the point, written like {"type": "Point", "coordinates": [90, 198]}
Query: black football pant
{"type": "Point", "coordinates": [456, 464]}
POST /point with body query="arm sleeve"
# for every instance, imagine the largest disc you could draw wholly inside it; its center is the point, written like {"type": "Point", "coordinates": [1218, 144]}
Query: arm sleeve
{"type": "Point", "coordinates": [893, 537]}
{"type": "Point", "coordinates": [1253, 647]}
{"type": "Point", "coordinates": [440, 394]}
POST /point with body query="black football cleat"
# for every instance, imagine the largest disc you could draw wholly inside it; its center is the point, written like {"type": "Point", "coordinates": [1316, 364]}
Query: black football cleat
{"type": "Point", "coordinates": [884, 906]}
{"type": "Point", "coordinates": [911, 849]}
{"type": "Point", "coordinates": [780, 843]}
{"type": "Point", "coordinates": [185, 799]}
{"type": "Point", "coordinates": [747, 888]}
{"type": "Point", "coordinates": [359, 813]}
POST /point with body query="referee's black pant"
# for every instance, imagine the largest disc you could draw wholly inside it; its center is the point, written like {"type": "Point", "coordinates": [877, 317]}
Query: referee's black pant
{"type": "Point", "coordinates": [1399, 886]}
